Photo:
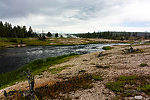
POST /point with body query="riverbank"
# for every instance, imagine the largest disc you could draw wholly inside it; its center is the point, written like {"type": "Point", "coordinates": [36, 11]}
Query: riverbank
{"type": "Point", "coordinates": [21, 42]}
{"type": "Point", "coordinates": [36, 67]}
{"type": "Point", "coordinates": [119, 70]}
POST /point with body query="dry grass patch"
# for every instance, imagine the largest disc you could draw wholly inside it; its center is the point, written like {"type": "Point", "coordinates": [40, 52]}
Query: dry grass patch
{"type": "Point", "coordinates": [55, 90]}
{"type": "Point", "coordinates": [59, 69]}
{"type": "Point", "coordinates": [60, 90]}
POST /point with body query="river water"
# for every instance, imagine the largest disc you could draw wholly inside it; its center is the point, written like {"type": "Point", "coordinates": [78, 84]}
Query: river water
{"type": "Point", "coordinates": [13, 58]}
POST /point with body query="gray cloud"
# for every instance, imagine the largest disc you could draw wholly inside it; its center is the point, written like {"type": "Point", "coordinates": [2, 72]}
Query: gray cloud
{"type": "Point", "coordinates": [22, 8]}
{"type": "Point", "coordinates": [73, 14]}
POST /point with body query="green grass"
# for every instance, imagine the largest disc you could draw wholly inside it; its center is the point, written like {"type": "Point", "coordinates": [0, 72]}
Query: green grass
{"type": "Point", "coordinates": [107, 48]}
{"type": "Point", "coordinates": [35, 67]}
{"type": "Point", "coordinates": [125, 86]}
{"type": "Point", "coordinates": [28, 41]}
{"type": "Point", "coordinates": [3, 44]}
{"type": "Point", "coordinates": [7, 41]}
{"type": "Point", "coordinates": [118, 85]}
{"type": "Point", "coordinates": [12, 42]}
{"type": "Point", "coordinates": [35, 42]}
{"type": "Point", "coordinates": [145, 88]}
{"type": "Point", "coordinates": [143, 65]}
{"type": "Point", "coordinates": [125, 78]}
{"type": "Point", "coordinates": [97, 77]}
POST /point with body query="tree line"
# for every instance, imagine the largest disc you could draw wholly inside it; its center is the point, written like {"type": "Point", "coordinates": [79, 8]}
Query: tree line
{"type": "Point", "coordinates": [114, 35]}
{"type": "Point", "coordinates": [7, 30]}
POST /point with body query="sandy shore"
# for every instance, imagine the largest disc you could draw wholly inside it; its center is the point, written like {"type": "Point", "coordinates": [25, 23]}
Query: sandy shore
{"type": "Point", "coordinates": [118, 64]}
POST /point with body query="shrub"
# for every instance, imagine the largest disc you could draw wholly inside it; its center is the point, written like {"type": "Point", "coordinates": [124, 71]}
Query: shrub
{"type": "Point", "coordinates": [143, 65]}
{"type": "Point", "coordinates": [13, 40]}
{"type": "Point", "coordinates": [107, 48]}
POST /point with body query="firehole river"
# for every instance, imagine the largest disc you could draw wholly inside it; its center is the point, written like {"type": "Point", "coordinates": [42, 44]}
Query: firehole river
{"type": "Point", "coordinates": [13, 58]}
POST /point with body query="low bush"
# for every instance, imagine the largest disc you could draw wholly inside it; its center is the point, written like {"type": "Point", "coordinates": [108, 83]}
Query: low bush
{"type": "Point", "coordinates": [107, 48]}
{"type": "Point", "coordinates": [143, 65]}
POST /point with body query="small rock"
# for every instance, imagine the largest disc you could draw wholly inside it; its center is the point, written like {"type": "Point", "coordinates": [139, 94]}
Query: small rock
{"type": "Point", "coordinates": [17, 82]}
{"type": "Point", "coordinates": [138, 97]}
{"type": "Point", "coordinates": [82, 71]}
{"type": "Point", "coordinates": [100, 54]}
{"type": "Point", "coordinates": [85, 60]}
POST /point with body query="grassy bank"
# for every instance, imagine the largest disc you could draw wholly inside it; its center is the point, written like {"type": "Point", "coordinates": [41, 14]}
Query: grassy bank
{"type": "Point", "coordinates": [28, 41]}
{"type": "Point", "coordinates": [13, 42]}
{"type": "Point", "coordinates": [35, 67]}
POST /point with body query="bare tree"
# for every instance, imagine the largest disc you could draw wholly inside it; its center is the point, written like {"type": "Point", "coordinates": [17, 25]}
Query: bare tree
{"type": "Point", "coordinates": [131, 49]}
{"type": "Point", "coordinates": [30, 78]}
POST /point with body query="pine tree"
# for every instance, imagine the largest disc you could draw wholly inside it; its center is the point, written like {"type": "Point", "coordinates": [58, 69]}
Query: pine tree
{"type": "Point", "coordinates": [30, 32]}
{"type": "Point", "coordinates": [49, 34]}
{"type": "Point", "coordinates": [56, 35]}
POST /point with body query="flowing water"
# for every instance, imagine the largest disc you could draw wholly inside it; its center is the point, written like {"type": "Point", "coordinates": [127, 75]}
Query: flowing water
{"type": "Point", "coordinates": [13, 58]}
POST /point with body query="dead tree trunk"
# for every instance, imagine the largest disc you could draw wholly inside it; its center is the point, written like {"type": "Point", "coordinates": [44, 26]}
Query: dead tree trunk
{"type": "Point", "coordinates": [30, 78]}
{"type": "Point", "coordinates": [131, 49]}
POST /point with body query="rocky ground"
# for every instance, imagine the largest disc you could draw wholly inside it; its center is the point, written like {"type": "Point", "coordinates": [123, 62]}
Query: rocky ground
{"type": "Point", "coordinates": [111, 64]}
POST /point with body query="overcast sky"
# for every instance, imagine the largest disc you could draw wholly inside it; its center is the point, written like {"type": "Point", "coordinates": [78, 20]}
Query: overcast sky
{"type": "Point", "coordinates": [75, 16]}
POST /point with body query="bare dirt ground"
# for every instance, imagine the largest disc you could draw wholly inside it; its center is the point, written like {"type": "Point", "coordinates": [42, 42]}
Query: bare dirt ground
{"type": "Point", "coordinates": [117, 62]}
